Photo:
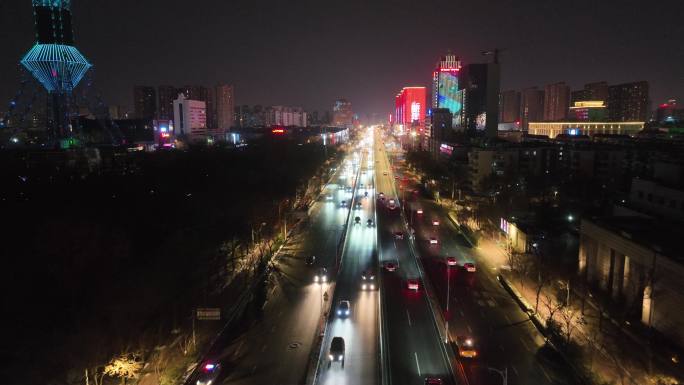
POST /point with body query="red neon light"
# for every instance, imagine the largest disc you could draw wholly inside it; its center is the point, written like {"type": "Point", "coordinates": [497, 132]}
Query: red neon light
{"type": "Point", "coordinates": [278, 131]}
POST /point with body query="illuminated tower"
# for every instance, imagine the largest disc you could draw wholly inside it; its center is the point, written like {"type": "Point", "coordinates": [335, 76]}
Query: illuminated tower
{"type": "Point", "coordinates": [445, 85]}
{"type": "Point", "coordinates": [54, 61]}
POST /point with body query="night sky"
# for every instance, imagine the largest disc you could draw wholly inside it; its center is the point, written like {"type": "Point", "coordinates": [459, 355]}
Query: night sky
{"type": "Point", "coordinates": [308, 53]}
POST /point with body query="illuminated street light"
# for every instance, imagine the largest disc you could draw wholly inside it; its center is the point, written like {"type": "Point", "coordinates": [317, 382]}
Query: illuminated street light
{"type": "Point", "coordinates": [570, 218]}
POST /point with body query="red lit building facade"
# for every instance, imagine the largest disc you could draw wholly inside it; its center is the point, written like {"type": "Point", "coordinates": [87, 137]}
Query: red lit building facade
{"type": "Point", "coordinates": [410, 107]}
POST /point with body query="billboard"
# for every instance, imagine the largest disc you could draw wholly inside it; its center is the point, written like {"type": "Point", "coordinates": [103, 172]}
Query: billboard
{"type": "Point", "coordinates": [410, 106]}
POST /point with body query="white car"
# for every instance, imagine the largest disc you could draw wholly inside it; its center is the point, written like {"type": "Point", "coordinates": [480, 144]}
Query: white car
{"type": "Point", "coordinates": [433, 241]}
{"type": "Point", "coordinates": [321, 275]}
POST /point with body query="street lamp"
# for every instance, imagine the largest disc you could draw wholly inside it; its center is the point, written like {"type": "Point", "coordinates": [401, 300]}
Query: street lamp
{"type": "Point", "coordinates": [502, 373]}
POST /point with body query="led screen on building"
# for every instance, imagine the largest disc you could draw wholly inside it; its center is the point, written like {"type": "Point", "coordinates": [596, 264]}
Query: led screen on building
{"type": "Point", "coordinates": [447, 94]}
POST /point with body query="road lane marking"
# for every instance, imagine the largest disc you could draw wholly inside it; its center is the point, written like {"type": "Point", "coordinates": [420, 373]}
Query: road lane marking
{"type": "Point", "coordinates": [461, 311]}
{"type": "Point", "coordinates": [546, 374]}
{"type": "Point", "coordinates": [273, 329]}
{"type": "Point", "coordinates": [507, 319]}
{"type": "Point", "coordinates": [415, 354]}
{"type": "Point", "coordinates": [522, 340]}
{"type": "Point", "coordinates": [263, 349]}
{"type": "Point", "coordinates": [515, 371]}
{"type": "Point", "coordinates": [408, 316]}
{"type": "Point", "coordinates": [469, 329]}
{"type": "Point", "coordinates": [238, 348]}
{"type": "Point", "coordinates": [254, 369]}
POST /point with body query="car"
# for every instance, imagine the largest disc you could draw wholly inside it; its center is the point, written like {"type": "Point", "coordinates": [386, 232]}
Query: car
{"type": "Point", "coordinates": [419, 212]}
{"type": "Point", "coordinates": [343, 203]}
{"type": "Point", "coordinates": [369, 223]}
{"type": "Point", "coordinates": [451, 261]}
{"type": "Point", "coordinates": [368, 280]}
{"type": "Point", "coordinates": [381, 195]}
{"type": "Point", "coordinates": [396, 177]}
{"type": "Point", "coordinates": [336, 351]}
{"type": "Point", "coordinates": [357, 220]}
{"type": "Point", "coordinates": [208, 373]}
{"type": "Point", "coordinates": [321, 275]}
{"type": "Point", "coordinates": [433, 241]}
{"type": "Point", "coordinates": [435, 222]}
{"type": "Point", "coordinates": [469, 267]}
{"type": "Point", "coordinates": [413, 284]}
{"type": "Point", "coordinates": [384, 173]}
{"type": "Point", "coordinates": [392, 204]}
{"type": "Point", "coordinates": [357, 205]}
{"type": "Point", "coordinates": [466, 347]}
{"type": "Point", "coordinates": [328, 197]}
{"type": "Point", "coordinates": [310, 260]}
{"type": "Point", "coordinates": [433, 381]}
{"type": "Point", "coordinates": [343, 308]}
{"type": "Point", "coordinates": [390, 266]}
{"type": "Point", "coordinates": [365, 194]}
{"type": "Point", "coordinates": [398, 235]}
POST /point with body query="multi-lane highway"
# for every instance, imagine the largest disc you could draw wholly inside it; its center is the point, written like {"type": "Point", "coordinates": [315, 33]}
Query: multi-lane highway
{"type": "Point", "coordinates": [275, 344]}
{"type": "Point", "coordinates": [479, 307]}
{"type": "Point", "coordinates": [415, 350]}
{"type": "Point", "coordinates": [360, 328]}
{"type": "Point", "coordinates": [393, 334]}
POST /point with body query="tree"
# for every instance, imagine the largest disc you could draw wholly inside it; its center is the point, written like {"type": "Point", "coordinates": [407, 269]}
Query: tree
{"type": "Point", "coordinates": [569, 317]}
{"type": "Point", "coordinates": [125, 366]}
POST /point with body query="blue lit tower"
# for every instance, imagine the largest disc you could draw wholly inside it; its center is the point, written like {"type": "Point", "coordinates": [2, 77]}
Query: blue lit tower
{"type": "Point", "coordinates": [54, 61]}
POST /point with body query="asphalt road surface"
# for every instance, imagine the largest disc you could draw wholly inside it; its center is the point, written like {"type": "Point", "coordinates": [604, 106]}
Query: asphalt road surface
{"type": "Point", "coordinates": [479, 307]}
{"type": "Point", "coordinates": [415, 350]}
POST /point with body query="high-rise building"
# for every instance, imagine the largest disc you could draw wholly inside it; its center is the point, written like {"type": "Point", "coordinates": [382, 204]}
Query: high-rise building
{"type": "Point", "coordinates": [167, 94]}
{"type": "Point", "coordinates": [190, 117]}
{"type": "Point", "coordinates": [343, 115]}
{"type": "Point", "coordinates": [480, 90]}
{"type": "Point", "coordinates": [531, 106]}
{"type": "Point", "coordinates": [410, 106]}
{"type": "Point", "coordinates": [225, 99]}
{"type": "Point", "coordinates": [285, 116]}
{"type": "Point", "coordinates": [596, 91]}
{"type": "Point", "coordinates": [556, 102]}
{"type": "Point", "coordinates": [144, 102]}
{"type": "Point", "coordinates": [445, 85]}
{"type": "Point", "coordinates": [207, 96]}
{"type": "Point", "coordinates": [628, 102]}
{"type": "Point", "coordinates": [510, 106]}
{"type": "Point", "coordinates": [441, 120]}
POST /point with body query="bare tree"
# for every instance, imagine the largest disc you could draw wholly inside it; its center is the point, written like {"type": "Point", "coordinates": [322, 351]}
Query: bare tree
{"type": "Point", "coordinates": [552, 306]}
{"type": "Point", "coordinates": [125, 366]}
{"type": "Point", "coordinates": [569, 318]}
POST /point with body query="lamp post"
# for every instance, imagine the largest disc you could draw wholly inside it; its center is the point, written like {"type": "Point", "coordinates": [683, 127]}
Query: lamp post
{"type": "Point", "coordinates": [502, 373]}
{"type": "Point", "coordinates": [446, 322]}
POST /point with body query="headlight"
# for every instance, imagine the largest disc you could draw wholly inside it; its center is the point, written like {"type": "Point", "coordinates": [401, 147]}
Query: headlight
{"type": "Point", "coordinates": [340, 357]}
{"type": "Point", "coordinates": [325, 279]}
{"type": "Point", "coordinates": [330, 356]}
{"type": "Point", "coordinates": [316, 279]}
{"type": "Point", "coordinates": [372, 287]}
{"type": "Point", "coordinates": [339, 312]}
{"type": "Point", "coordinates": [363, 286]}
{"type": "Point", "coordinates": [346, 312]}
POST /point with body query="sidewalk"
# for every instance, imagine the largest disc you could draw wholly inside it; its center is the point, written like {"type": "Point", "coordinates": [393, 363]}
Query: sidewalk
{"type": "Point", "coordinates": [609, 351]}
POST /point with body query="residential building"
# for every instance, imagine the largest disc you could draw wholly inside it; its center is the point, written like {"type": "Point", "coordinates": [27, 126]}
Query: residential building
{"type": "Point", "coordinates": [628, 102]}
{"type": "Point", "coordinates": [225, 99]}
{"type": "Point", "coordinates": [556, 102]}
{"type": "Point", "coordinates": [285, 116]}
{"type": "Point", "coordinates": [510, 106]}
{"type": "Point", "coordinates": [531, 106]}
{"type": "Point", "coordinates": [144, 102]}
{"type": "Point", "coordinates": [167, 94]}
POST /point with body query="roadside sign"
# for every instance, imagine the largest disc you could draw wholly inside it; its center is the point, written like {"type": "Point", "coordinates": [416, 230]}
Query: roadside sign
{"type": "Point", "coordinates": [208, 313]}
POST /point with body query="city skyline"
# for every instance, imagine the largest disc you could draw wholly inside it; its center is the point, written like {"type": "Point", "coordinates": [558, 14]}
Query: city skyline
{"type": "Point", "coordinates": [352, 55]}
